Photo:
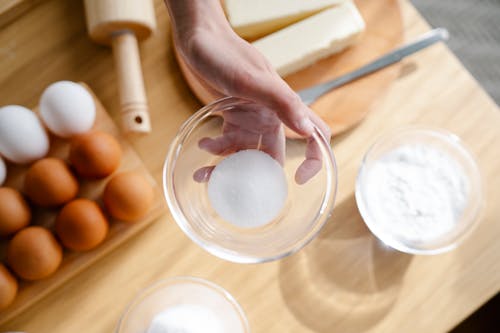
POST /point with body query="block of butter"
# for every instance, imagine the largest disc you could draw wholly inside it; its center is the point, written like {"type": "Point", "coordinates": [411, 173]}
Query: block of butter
{"type": "Point", "coordinates": [319, 36]}
{"type": "Point", "coordinates": [256, 18]}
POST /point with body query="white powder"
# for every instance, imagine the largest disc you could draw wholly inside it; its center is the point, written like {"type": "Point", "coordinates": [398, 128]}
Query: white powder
{"type": "Point", "coordinates": [248, 188]}
{"type": "Point", "coordinates": [186, 318]}
{"type": "Point", "coordinates": [416, 192]}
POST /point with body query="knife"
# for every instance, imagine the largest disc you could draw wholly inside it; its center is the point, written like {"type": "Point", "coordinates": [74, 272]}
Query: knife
{"type": "Point", "coordinates": [310, 95]}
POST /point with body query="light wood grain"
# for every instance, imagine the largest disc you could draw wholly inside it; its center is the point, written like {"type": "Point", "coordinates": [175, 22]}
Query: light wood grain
{"type": "Point", "coordinates": [12, 9]}
{"type": "Point", "coordinates": [343, 281]}
{"type": "Point", "coordinates": [121, 23]}
{"type": "Point", "coordinates": [105, 17]}
{"type": "Point", "coordinates": [134, 105]}
{"type": "Point", "coordinates": [346, 106]}
{"type": "Point", "coordinates": [74, 262]}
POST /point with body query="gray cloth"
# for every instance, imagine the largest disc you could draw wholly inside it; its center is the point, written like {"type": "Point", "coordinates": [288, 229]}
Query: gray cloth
{"type": "Point", "coordinates": [474, 27]}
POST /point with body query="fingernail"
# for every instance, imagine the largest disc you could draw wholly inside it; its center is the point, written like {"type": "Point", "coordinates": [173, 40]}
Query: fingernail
{"type": "Point", "coordinates": [203, 174]}
{"type": "Point", "coordinates": [306, 126]}
{"type": "Point", "coordinates": [204, 143]}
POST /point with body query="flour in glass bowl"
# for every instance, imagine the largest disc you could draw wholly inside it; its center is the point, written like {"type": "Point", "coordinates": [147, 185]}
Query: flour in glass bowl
{"type": "Point", "coordinates": [186, 318]}
{"type": "Point", "coordinates": [416, 192]}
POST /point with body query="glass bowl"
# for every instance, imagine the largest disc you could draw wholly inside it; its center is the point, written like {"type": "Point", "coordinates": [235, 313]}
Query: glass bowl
{"type": "Point", "coordinates": [183, 291]}
{"type": "Point", "coordinates": [446, 143]}
{"type": "Point", "coordinates": [306, 209]}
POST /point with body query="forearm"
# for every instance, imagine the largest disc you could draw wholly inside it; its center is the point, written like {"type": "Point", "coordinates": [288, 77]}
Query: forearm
{"type": "Point", "coordinates": [188, 16]}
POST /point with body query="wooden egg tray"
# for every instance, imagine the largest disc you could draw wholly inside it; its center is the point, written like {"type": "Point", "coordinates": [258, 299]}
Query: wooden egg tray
{"type": "Point", "coordinates": [74, 262]}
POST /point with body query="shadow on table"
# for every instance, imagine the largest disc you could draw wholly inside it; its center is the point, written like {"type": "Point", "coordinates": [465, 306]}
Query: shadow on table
{"type": "Point", "coordinates": [345, 280]}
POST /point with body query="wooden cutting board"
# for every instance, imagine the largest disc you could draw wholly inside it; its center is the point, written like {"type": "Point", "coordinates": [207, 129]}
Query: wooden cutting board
{"type": "Point", "coordinates": [348, 105]}
{"type": "Point", "coordinates": [74, 262]}
{"type": "Point", "coordinates": [11, 9]}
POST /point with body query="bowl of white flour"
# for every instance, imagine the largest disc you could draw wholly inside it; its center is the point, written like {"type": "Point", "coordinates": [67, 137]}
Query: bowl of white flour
{"type": "Point", "coordinates": [419, 190]}
{"type": "Point", "coordinates": [233, 187]}
{"type": "Point", "coordinates": [184, 305]}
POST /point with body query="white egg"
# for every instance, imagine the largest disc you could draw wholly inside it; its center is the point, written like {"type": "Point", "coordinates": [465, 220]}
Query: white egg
{"type": "Point", "coordinates": [67, 109]}
{"type": "Point", "coordinates": [22, 136]}
{"type": "Point", "coordinates": [248, 188]}
{"type": "Point", "coordinates": [3, 171]}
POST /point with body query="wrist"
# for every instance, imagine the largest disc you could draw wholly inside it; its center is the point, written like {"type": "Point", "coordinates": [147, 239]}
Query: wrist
{"type": "Point", "coordinates": [190, 16]}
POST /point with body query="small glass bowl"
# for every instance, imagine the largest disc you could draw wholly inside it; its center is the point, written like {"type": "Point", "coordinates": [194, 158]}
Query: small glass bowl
{"type": "Point", "coordinates": [305, 211]}
{"type": "Point", "coordinates": [183, 290]}
{"type": "Point", "coordinates": [450, 144]}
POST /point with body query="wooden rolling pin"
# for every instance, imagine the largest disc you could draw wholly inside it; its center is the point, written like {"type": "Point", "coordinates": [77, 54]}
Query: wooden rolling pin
{"type": "Point", "coordinates": [120, 23]}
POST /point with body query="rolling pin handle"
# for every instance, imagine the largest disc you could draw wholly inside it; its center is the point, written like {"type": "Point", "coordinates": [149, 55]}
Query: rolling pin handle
{"type": "Point", "coordinates": [134, 108]}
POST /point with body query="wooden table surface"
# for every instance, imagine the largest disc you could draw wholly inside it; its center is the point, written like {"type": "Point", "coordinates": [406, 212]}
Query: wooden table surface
{"type": "Point", "coordinates": [344, 281]}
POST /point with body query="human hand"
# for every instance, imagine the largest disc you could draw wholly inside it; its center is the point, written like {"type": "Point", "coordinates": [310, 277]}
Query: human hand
{"type": "Point", "coordinates": [248, 127]}
{"type": "Point", "coordinates": [229, 66]}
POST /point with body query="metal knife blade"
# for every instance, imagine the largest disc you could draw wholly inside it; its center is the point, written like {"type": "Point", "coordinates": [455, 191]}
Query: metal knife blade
{"type": "Point", "coordinates": [310, 95]}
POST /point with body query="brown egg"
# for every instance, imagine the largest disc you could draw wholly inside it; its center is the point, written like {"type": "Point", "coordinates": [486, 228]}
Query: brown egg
{"type": "Point", "coordinates": [128, 196]}
{"type": "Point", "coordinates": [49, 182]}
{"type": "Point", "coordinates": [15, 213]}
{"type": "Point", "coordinates": [81, 225]}
{"type": "Point", "coordinates": [8, 287]}
{"type": "Point", "coordinates": [95, 154]}
{"type": "Point", "coordinates": [34, 253]}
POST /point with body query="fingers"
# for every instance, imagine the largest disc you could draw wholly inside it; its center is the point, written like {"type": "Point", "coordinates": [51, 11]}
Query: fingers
{"type": "Point", "coordinates": [203, 174]}
{"type": "Point", "coordinates": [218, 146]}
{"type": "Point", "coordinates": [243, 72]}
{"type": "Point", "coordinates": [272, 92]}
{"type": "Point", "coordinates": [314, 161]}
{"type": "Point", "coordinates": [256, 81]}
{"type": "Point", "coordinates": [322, 126]}
{"type": "Point", "coordinates": [274, 145]}
{"type": "Point", "coordinates": [299, 118]}
{"type": "Point", "coordinates": [311, 165]}
{"type": "Point", "coordinates": [287, 104]}
{"type": "Point", "coordinates": [308, 169]}
{"type": "Point", "coordinates": [295, 116]}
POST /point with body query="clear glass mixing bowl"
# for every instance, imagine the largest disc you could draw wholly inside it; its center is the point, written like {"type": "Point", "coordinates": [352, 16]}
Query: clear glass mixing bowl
{"type": "Point", "coordinates": [446, 142]}
{"type": "Point", "coordinates": [183, 290]}
{"type": "Point", "coordinates": [307, 207]}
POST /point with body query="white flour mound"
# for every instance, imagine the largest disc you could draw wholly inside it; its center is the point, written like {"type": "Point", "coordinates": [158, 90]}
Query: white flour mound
{"type": "Point", "coordinates": [186, 318]}
{"type": "Point", "coordinates": [416, 192]}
